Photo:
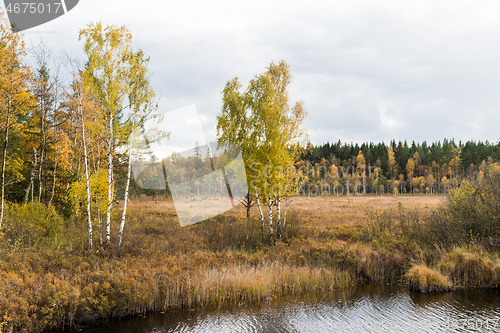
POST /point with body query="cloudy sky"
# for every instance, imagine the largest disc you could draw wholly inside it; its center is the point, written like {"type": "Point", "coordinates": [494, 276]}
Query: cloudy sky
{"type": "Point", "coordinates": [366, 70]}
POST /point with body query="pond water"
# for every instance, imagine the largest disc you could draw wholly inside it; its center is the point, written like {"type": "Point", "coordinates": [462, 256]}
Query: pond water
{"type": "Point", "coordinates": [368, 309]}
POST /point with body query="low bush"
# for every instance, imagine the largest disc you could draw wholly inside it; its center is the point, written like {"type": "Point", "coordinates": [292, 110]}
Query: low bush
{"type": "Point", "coordinates": [472, 210]}
{"type": "Point", "coordinates": [32, 224]}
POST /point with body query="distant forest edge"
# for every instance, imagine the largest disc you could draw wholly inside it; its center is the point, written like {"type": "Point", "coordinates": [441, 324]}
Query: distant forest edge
{"type": "Point", "coordinates": [343, 169]}
{"type": "Point", "coordinates": [397, 167]}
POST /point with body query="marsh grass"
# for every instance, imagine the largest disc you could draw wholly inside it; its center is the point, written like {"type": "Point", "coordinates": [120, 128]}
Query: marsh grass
{"type": "Point", "coordinates": [237, 285]}
{"type": "Point", "coordinates": [54, 281]}
{"type": "Point", "coordinates": [472, 266]}
{"type": "Point", "coordinates": [424, 279]}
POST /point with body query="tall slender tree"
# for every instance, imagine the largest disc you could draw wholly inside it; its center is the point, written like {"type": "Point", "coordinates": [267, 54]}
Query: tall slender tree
{"type": "Point", "coordinates": [108, 50]}
{"type": "Point", "coordinates": [142, 104]}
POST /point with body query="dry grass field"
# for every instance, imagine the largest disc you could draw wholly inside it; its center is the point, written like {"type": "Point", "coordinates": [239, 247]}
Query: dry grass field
{"type": "Point", "coordinates": [319, 211]}
{"type": "Point", "coordinates": [347, 210]}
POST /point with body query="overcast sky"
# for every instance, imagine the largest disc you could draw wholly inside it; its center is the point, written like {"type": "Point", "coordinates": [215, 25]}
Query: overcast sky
{"type": "Point", "coordinates": [366, 70]}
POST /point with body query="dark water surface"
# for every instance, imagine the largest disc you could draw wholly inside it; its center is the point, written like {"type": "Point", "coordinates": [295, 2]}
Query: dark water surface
{"type": "Point", "coordinates": [368, 309]}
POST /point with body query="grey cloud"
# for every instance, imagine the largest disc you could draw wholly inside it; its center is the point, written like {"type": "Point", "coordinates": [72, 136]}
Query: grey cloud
{"type": "Point", "coordinates": [367, 71]}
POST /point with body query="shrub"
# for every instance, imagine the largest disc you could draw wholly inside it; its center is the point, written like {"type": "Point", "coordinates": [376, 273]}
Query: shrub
{"type": "Point", "coordinates": [32, 224]}
{"type": "Point", "coordinates": [472, 208]}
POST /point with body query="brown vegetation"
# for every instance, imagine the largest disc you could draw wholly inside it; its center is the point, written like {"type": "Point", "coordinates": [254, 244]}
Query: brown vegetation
{"type": "Point", "coordinates": [472, 266]}
{"type": "Point", "coordinates": [50, 279]}
{"type": "Point", "coordinates": [425, 279]}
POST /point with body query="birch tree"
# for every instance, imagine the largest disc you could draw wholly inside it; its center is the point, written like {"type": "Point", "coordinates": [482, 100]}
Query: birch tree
{"type": "Point", "coordinates": [80, 92]}
{"type": "Point", "coordinates": [142, 104]}
{"type": "Point", "coordinates": [108, 51]}
{"type": "Point", "coordinates": [391, 162]}
{"type": "Point", "coordinates": [269, 131]}
{"type": "Point", "coordinates": [82, 105]}
{"type": "Point", "coordinates": [233, 126]}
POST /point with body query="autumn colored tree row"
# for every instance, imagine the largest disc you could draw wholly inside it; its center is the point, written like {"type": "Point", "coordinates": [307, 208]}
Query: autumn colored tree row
{"type": "Point", "coordinates": [65, 123]}
{"type": "Point", "coordinates": [394, 168]}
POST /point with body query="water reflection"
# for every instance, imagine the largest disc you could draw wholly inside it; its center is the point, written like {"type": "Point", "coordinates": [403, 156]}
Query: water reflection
{"type": "Point", "coordinates": [368, 309]}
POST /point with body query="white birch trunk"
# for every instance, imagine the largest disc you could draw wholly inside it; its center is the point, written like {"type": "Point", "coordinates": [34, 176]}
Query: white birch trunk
{"type": "Point", "coordinates": [40, 170]}
{"type": "Point", "coordinates": [53, 184]}
{"type": "Point", "coordinates": [278, 215]}
{"type": "Point", "coordinates": [87, 181]}
{"type": "Point", "coordinates": [270, 204]}
{"type": "Point", "coordinates": [32, 175]}
{"type": "Point", "coordinates": [110, 182]}
{"type": "Point", "coordinates": [127, 187]}
{"type": "Point", "coordinates": [42, 154]}
{"type": "Point", "coordinates": [260, 209]}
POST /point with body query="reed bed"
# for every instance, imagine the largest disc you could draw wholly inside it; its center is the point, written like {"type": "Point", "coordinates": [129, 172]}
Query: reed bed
{"type": "Point", "coordinates": [102, 289]}
{"type": "Point", "coordinates": [237, 285]}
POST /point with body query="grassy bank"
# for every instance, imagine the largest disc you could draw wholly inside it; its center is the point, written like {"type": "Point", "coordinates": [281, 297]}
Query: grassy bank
{"type": "Point", "coordinates": [49, 279]}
